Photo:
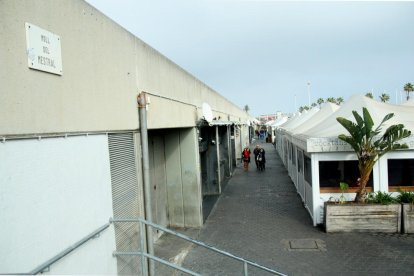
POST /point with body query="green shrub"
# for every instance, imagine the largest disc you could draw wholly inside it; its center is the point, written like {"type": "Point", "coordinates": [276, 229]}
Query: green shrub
{"type": "Point", "coordinates": [405, 197]}
{"type": "Point", "coordinates": [381, 198]}
{"type": "Point", "coordinates": [344, 187]}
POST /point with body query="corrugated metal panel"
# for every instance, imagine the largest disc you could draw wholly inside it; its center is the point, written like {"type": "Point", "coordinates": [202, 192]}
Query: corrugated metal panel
{"type": "Point", "coordinates": [127, 199]}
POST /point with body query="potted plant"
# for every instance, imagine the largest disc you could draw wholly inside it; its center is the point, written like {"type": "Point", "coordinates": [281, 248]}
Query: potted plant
{"type": "Point", "coordinates": [344, 187]}
{"type": "Point", "coordinates": [407, 201]}
{"type": "Point", "coordinates": [369, 144]}
{"type": "Point", "coordinates": [379, 213]}
{"type": "Point", "coordinates": [381, 198]}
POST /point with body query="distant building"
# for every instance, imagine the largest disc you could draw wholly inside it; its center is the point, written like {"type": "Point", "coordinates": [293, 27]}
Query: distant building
{"type": "Point", "coordinates": [263, 119]}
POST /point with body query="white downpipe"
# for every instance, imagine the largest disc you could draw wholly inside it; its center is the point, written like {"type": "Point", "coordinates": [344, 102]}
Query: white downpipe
{"type": "Point", "coordinates": [142, 107]}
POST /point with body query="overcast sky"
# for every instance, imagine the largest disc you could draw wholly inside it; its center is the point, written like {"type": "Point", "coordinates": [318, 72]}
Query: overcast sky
{"type": "Point", "coordinates": [263, 53]}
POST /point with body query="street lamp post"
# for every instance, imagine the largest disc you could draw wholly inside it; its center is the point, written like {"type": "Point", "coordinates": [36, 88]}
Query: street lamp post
{"type": "Point", "coordinates": [296, 108]}
{"type": "Point", "coordinates": [309, 101]}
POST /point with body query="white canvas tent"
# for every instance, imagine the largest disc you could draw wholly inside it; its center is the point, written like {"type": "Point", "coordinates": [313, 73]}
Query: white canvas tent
{"type": "Point", "coordinates": [326, 111]}
{"type": "Point", "coordinates": [330, 127]}
{"type": "Point", "coordinates": [272, 127]}
{"type": "Point", "coordinates": [409, 102]}
{"type": "Point", "coordinates": [311, 151]}
{"type": "Point", "coordinates": [299, 120]}
{"type": "Point", "coordinates": [293, 156]}
{"type": "Point", "coordinates": [280, 121]}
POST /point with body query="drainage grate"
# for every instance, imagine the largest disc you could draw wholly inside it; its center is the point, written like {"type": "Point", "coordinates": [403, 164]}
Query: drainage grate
{"type": "Point", "coordinates": [304, 245]}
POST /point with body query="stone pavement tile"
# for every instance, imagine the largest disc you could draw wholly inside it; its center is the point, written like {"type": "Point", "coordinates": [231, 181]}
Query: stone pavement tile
{"type": "Point", "coordinates": [173, 249]}
{"type": "Point", "coordinates": [259, 211]}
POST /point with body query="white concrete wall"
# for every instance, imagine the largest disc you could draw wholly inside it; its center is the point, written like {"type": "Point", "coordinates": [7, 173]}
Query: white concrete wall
{"type": "Point", "coordinates": [104, 69]}
{"type": "Point", "coordinates": [183, 178]}
{"type": "Point", "coordinates": [174, 179]}
{"type": "Point", "coordinates": [190, 171]}
{"type": "Point", "coordinates": [97, 90]}
{"type": "Point", "coordinates": [238, 137]}
{"type": "Point", "coordinates": [245, 138]}
{"type": "Point", "coordinates": [54, 192]}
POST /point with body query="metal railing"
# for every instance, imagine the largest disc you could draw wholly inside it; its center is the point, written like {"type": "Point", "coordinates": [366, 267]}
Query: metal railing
{"type": "Point", "coordinates": [142, 222]}
{"type": "Point", "coordinates": [45, 267]}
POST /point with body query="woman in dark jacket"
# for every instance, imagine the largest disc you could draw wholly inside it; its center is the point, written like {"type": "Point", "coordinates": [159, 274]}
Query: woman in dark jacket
{"type": "Point", "coordinates": [261, 159]}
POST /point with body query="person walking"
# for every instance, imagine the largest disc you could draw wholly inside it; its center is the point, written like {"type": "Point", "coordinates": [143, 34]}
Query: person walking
{"type": "Point", "coordinates": [261, 155]}
{"type": "Point", "coordinates": [261, 159]}
{"type": "Point", "coordinates": [256, 152]}
{"type": "Point", "coordinates": [246, 158]}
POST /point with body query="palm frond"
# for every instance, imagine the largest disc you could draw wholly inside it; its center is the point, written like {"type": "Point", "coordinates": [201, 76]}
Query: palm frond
{"type": "Point", "coordinates": [392, 135]}
{"type": "Point", "coordinates": [358, 119]}
{"type": "Point", "coordinates": [351, 141]}
{"type": "Point", "coordinates": [386, 118]}
{"type": "Point", "coordinates": [369, 123]}
{"type": "Point", "coordinates": [350, 126]}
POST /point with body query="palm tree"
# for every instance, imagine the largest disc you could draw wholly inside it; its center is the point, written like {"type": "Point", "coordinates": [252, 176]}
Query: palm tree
{"type": "Point", "coordinates": [367, 149]}
{"type": "Point", "coordinates": [339, 100]}
{"type": "Point", "coordinates": [246, 108]}
{"type": "Point", "coordinates": [314, 104]}
{"type": "Point", "coordinates": [301, 109]}
{"type": "Point", "coordinates": [320, 101]}
{"type": "Point", "coordinates": [384, 97]}
{"type": "Point", "coordinates": [369, 95]}
{"type": "Point", "coordinates": [331, 100]}
{"type": "Point", "coordinates": [408, 87]}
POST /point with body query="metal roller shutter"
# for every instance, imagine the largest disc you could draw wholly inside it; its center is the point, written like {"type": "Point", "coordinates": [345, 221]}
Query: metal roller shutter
{"type": "Point", "coordinates": [127, 199]}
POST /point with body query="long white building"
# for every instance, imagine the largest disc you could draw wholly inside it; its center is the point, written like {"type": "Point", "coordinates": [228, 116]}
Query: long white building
{"type": "Point", "coordinates": [70, 139]}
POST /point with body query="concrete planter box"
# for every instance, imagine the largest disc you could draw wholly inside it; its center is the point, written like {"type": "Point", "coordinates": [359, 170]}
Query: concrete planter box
{"type": "Point", "coordinates": [408, 218]}
{"type": "Point", "coordinates": [354, 217]}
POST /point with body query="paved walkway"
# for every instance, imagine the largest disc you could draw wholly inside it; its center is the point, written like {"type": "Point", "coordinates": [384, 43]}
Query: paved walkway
{"type": "Point", "coordinates": [260, 217]}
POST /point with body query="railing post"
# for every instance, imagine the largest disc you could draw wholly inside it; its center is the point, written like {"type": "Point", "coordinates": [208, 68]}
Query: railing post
{"type": "Point", "coordinates": [246, 273]}
{"type": "Point", "coordinates": [144, 264]}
